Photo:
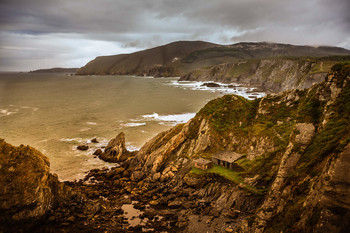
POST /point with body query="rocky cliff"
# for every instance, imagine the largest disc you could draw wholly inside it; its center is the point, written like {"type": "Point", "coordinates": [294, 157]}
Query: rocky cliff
{"type": "Point", "coordinates": [272, 75]}
{"type": "Point", "coordinates": [290, 176]}
{"type": "Point", "coordinates": [28, 190]}
{"type": "Point", "coordinates": [296, 146]}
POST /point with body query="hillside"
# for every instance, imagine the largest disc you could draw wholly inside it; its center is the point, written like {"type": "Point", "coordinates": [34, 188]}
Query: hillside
{"type": "Point", "coordinates": [144, 62]}
{"type": "Point", "coordinates": [271, 74]}
{"type": "Point", "coordinates": [179, 58]}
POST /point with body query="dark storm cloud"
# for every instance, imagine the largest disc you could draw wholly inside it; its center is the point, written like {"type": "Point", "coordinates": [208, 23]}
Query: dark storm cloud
{"type": "Point", "coordinates": [125, 26]}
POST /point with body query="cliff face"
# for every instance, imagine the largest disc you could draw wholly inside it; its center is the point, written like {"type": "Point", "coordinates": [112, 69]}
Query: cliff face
{"type": "Point", "coordinates": [28, 190]}
{"type": "Point", "coordinates": [296, 146]}
{"type": "Point", "coordinates": [179, 58]}
{"type": "Point", "coordinates": [271, 75]}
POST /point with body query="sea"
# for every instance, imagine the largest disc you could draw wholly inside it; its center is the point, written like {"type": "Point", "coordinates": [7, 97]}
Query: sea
{"type": "Point", "coordinates": [55, 113]}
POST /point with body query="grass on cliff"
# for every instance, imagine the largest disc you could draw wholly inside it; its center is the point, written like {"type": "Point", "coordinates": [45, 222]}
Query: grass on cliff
{"type": "Point", "coordinates": [326, 145]}
{"type": "Point", "coordinates": [241, 68]}
{"type": "Point", "coordinates": [336, 134]}
{"type": "Point", "coordinates": [224, 172]}
{"type": "Point", "coordinates": [229, 112]}
{"type": "Point", "coordinates": [228, 174]}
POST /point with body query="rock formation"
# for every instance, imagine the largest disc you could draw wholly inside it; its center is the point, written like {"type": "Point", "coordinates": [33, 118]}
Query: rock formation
{"type": "Point", "coordinates": [28, 190]}
{"type": "Point", "coordinates": [116, 150]}
{"type": "Point", "coordinates": [270, 75]}
{"type": "Point", "coordinates": [296, 145]}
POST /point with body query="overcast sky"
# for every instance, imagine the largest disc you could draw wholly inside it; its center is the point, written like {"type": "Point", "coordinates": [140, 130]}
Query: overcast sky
{"type": "Point", "coordinates": [68, 33]}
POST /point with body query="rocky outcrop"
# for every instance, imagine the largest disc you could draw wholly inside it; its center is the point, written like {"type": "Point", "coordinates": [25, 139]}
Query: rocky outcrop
{"type": "Point", "coordinates": [28, 190]}
{"type": "Point", "coordinates": [161, 71]}
{"type": "Point", "coordinates": [296, 147]}
{"type": "Point", "coordinates": [116, 150]}
{"type": "Point", "coordinates": [83, 147]}
{"type": "Point", "coordinates": [271, 75]}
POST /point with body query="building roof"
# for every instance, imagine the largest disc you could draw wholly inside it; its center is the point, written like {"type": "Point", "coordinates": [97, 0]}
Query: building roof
{"type": "Point", "coordinates": [228, 156]}
{"type": "Point", "coordinates": [202, 161]}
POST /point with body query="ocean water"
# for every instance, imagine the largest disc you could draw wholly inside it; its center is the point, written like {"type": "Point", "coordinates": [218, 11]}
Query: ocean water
{"type": "Point", "coordinates": [55, 113]}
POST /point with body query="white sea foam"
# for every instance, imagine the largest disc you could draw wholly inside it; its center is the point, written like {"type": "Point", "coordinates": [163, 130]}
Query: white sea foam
{"type": "Point", "coordinates": [91, 123]}
{"type": "Point", "coordinates": [7, 112]}
{"type": "Point", "coordinates": [32, 108]}
{"type": "Point", "coordinates": [12, 110]}
{"type": "Point", "coordinates": [223, 89]}
{"type": "Point", "coordinates": [72, 140]}
{"type": "Point", "coordinates": [133, 124]}
{"type": "Point", "coordinates": [101, 141]}
{"type": "Point", "coordinates": [174, 118]}
{"type": "Point", "coordinates": [130, 147]}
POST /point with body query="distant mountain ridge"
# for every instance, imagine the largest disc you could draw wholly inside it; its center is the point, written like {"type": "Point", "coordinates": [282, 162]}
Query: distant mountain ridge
{"type": "Point", "coordinates": [143, 61]}
{"type": "Point", "coordinates": [56, 70]}
{"type": "Point", "coordinates": [179, 58]}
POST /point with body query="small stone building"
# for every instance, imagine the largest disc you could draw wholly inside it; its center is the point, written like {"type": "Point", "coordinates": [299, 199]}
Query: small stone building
{"type": "Point", "coordinates": [203, 164]}
{"type": "Point", "coordinates": [226, 159]}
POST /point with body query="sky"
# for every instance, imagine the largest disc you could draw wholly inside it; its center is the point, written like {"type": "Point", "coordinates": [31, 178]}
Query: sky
{"type": "Point", "coordinates": [37, 34]}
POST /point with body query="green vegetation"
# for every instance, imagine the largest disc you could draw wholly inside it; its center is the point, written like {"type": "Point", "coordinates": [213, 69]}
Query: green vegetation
{"type": "Point", "coordinates": [213, 53]}
{"type": "Point", "coordinates": [230, 175]}
{"type": "Point", "coordinates": [310, 108]}
{"type": "Point", "coordinates": [227, 173]}
{"type": "Point", "coordinates": [197, 172]}
{"type": "Point", "coordinates": [241, 68]}
{"type": "Point", "coordinates": [229, 112]}
{"type": "Point", "coordinates": [322, 67]}
{"type": "Point", "coordinates": [224, 172]}
{"type": "Point", "coordinates": [336, 133]}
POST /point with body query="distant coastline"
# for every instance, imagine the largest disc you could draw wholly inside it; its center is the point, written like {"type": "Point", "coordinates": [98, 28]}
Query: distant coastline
{"type": "Point", "coordinates": [56, 70]}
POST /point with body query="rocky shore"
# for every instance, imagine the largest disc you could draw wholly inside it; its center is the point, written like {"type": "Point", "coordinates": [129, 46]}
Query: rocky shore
{"type": "Point", "coordinates": [290, 172]}
{"type": "Point", "coordinates": [114, 200]}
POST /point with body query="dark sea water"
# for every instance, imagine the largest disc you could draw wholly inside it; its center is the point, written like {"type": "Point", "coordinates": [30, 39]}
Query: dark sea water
{"type": "Point", "coordinates": [56, 113]}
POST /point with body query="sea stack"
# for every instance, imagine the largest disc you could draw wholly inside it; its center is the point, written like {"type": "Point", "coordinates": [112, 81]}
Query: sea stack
{"type": "Point", "coordinates": [116, 151]}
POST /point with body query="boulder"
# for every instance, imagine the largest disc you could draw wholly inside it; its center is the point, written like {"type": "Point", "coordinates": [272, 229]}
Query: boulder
{"type": "Point", "coordinates": [116, 150]}
{"type": "Point", "coordinates": [98, 152]}
{"type": "Point", "coordinates": [174, 204]}
{"type": "Point", "coordinates": [26, 192]}
{"type": "Point", "coordinates": [94, 140]}
{"type": "Point", "coordinates": [156, 176]}
{"type": "Point", "coordinates": [83, 147]}
{"type": "Point", "coordinates": [137, 176]}
{"type": "Point", "coordinates": [153, 202]}
{"type": "Point", "coordinates": [211, 85]}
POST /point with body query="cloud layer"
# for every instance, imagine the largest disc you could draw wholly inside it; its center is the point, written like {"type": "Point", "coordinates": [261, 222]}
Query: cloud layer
{"type": "Point", "coordinates": [41, 34]}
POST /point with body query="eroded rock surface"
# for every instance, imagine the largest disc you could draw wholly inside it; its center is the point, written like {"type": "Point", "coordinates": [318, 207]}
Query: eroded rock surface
{"type": "Point", "coordinates": [116, 150]}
